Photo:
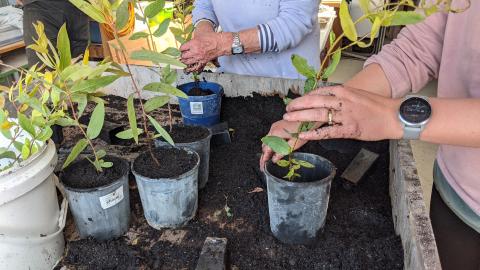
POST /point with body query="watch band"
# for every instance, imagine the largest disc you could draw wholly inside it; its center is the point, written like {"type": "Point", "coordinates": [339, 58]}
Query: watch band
{"type": "Point", "coordinates": [236, 40]}
{"type": "Point", "coordinates": [412, 132]}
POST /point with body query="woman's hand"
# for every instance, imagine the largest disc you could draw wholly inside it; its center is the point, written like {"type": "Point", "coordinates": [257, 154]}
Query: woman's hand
{"type": "Point", "coordinates": [355, 114]}
{"type": "Point", "coordinates": [204, 48]}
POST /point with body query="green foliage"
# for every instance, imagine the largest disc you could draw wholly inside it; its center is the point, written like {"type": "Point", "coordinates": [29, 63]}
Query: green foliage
{"type": "Point", "coordinates": [55, 92]}
{"type": "Point", "coordinates": [302, 67]}
{"type": "Point", "coordinates": [156, 102]}
{"type": "Point", "coordinates": [122, 15]}
{"type": "Point", "coordinates": [154, 8]}
{"type": "Point", "coordinates": [165, 89]}
{"type": "Point", "coordinates": [156, 57]}
{"type": "Point", "coordinates": [92, 11]}
{"type": "Point", "coordinates": [132, 118]}
{"type": "Point", "coordinates": [161, 131]}
{"type": "Point", "coordinates": [277, 144]}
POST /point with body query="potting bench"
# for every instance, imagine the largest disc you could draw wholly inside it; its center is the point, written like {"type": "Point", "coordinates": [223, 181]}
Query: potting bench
{"type": "Point", "coordinates": [410, 217]}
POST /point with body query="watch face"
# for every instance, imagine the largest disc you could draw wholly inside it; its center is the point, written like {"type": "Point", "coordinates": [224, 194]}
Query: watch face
{"type": "Point", "coordinates": [237, 50]}
{"type": "Point", "coordinates": [415, 110]}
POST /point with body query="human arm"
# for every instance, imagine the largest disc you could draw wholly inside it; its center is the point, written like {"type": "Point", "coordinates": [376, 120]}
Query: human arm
{"type": "Point", "coordinates": [362, 115]}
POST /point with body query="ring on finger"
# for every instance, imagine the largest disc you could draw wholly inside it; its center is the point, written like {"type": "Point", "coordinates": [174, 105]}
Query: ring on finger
{"type": "Point", "coordinates": [330, 117]}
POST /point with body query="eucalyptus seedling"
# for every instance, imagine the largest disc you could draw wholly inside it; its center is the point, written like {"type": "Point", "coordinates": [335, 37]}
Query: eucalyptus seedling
{"type": "Point", "coordinates": [389, 14]}
{"type": "Point", "coordinates": [102, 12]}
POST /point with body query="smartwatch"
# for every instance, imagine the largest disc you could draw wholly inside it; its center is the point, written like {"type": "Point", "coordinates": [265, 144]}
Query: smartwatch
{"type": "Point", "coordinates": [237, 46]}
{"type": "Point", "coordinates": [414, 113]}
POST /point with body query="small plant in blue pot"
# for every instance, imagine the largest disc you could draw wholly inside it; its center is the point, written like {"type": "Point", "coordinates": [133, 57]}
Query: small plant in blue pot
{"type": "Point", "coordinates": [202, 106]}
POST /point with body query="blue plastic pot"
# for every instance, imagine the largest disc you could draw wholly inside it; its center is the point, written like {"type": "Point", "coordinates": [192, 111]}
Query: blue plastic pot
{"type": "Point", "coordinates": [201, 110]}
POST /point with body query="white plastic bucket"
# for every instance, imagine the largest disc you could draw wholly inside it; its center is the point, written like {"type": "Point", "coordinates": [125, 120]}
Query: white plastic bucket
{"type": "Point", "coordinates": [31, 222]}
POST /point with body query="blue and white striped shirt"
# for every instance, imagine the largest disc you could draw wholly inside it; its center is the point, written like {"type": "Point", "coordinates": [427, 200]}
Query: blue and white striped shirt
{"type": "Point", "coordinates": [285, 27]}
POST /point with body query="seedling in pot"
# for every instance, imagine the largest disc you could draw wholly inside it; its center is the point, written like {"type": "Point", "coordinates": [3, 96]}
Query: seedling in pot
{"type": "Point", "coordinates": [390, 14]}
{"type": "Point", "coordinates": [101, 11]}
{"type": "Point", "coordinates": [57, 92]}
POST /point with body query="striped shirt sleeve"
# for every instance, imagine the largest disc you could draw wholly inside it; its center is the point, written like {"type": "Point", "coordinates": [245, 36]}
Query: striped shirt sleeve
{"type": "Point", "coordinates": [267, 39]}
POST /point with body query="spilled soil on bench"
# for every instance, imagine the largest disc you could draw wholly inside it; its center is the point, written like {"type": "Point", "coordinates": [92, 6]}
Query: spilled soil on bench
{"type": "Point", "coordinates": [358, 234]}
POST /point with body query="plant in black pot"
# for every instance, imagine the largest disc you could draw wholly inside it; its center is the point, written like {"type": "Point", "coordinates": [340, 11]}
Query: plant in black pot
{"type": "Point", "coordinates": [96, 185]}
{"type": "Point", "coordinates": [196, 136]}
{"type": "Point", "coordinates": [299, 184]}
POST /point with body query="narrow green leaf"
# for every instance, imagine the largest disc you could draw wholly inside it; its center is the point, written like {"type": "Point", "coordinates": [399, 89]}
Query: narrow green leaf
{"type": "Point", "coordinates": [96, 121]}
{"type": "Point", "coordinates": [138, 35]}
{"type": "Point", "coordinates": [290, 174]}
{"type": "Point", "coordinates": [132, 118]}
{"type": "Point", "coordinates": [169, 76]}
{"type": "Point", "coordinates": [26, 124]}
{"type": "Point", "coordinates": [333, 65]}
{"type": "Point", "coordinates": [156, 57]}
{"type": "Point", "coordinates": [155, 103]}
{"type": "Point", "coordinates": [26, 149]}
{"type": "Point", "coordinates": [164, 88]}
{"type": "Point", "coordinates": [7, 155]}
{"type": "Point", "coordinates": [154, 8]}
{"type": "Point", "coordinates": [302, 67]}
{"type": "Point", "coordinates": [18, 145]}
{"type": "Point", "coordinates": [81, 100]}
{"type": "Point", "coordinates": [101, 153]}
{"type": "Point", "coordinates": [162, 28]}
{"type": "Point", "coordinates": [287, 100]}
{"type": "Point", "coordinates": [107, 164]}
{"type": "Point", "coordinates": [45, 134]}
{"type": "Point", "coordinates": [406, 18]}
{"type": "Point", "coordinates": [63, 47]}
{"type": "Point", "coordinates": [161, 130]}
{"type": "Point", "coordinates": [91, 85]}
{"type": "Point", "coordinates": [303, 163]}
{"type": "Point", "coordinates": [171, 51]}
{"type": "Point", "coordinates": [127, 134]}
{"type": "Point", "coordinates": [89, 9]}
{"type": "Point", "coordinates": [278, 145]}
{"type": "Point", "coordinates": [65, 122]}
{"type": "Point", "coordinates": [76, 150]}
{"type": "Point", "coordinates": [122, 15]}
{"type": "Point", "coordinates": [283, 163]}
{"type": "Point", "coordinates": [346, 22]}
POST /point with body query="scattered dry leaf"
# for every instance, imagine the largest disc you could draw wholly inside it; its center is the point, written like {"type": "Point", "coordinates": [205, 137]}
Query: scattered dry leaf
{"type": "Point", "coordinates": [256, 190]}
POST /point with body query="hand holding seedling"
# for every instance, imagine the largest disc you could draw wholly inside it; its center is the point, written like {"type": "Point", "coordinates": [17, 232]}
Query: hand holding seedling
{"type": "Point", "coordinates": [356, 114]}
{"type": "Point", "coordinates": [205, 48]}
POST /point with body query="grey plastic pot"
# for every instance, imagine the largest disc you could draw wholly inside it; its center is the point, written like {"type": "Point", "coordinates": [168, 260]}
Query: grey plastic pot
{"type": "Point", "coordinates": [103, 212]}
{"type": "Point", "coordinates": [298, 209]}
{"type": "Point", "coordinates": [202, 147]}
{"type": "Point", "coordinates": [169, 202]}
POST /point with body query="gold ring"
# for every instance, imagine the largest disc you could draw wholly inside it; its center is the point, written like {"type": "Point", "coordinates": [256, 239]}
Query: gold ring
{"type": "Point", "coordinates": [330, 117]}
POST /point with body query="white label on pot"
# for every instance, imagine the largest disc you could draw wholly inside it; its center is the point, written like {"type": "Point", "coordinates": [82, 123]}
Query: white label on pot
{"type": "Point", "coordinates": [196, 107]}
{"type": "Point", "coordinates": [112, 199]}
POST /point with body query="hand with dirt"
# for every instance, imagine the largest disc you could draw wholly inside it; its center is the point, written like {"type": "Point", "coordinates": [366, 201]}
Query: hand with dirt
{"type": "Point", "coordinates": [204, 48]}
{"type": "Point", "coordinates": [356, 114]}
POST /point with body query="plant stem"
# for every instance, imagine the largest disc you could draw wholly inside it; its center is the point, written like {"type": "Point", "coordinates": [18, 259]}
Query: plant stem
{"type": "Point", "coordinates": [139, 95]}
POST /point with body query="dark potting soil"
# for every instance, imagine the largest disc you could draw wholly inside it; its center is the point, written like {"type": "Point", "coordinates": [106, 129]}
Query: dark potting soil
{"type": "Point", "coordinates": [358, 233]}
{"type": "Point", "coordinates": [173, 162]}
{"type": "Point", "coordinates": [187, 134]}
{"type": "Point", "coordinates": [83, 175]}
{"type": "Point", "coordinates": [197, 91]}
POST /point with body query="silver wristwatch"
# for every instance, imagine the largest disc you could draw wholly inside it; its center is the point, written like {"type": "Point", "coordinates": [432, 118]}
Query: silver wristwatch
{"type": "Point", "coordinates": [414, 113]}
{"type": "Point", "coordinates": [237, 46]}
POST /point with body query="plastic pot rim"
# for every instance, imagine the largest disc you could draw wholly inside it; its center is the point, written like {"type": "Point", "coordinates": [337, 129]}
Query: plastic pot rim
{"type": "Point", "coordinates": [220, 93]}
{"type": "Point", "coordinates": [173, 178]}
{"type": "Point", "coordinates": [327, 178]}
{"type": "Point", "coordinates": [125, 163]}
{"type": "Point", "coordinates": [209, 136]}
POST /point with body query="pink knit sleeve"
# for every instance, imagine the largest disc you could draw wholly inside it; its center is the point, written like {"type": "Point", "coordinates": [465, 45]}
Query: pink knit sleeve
{"type": "Point", "coordinates": [413, 58]}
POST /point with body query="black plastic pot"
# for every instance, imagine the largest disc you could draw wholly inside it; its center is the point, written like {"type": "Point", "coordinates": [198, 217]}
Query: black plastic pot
{"type": "Point", "coordinates": [298, 208]}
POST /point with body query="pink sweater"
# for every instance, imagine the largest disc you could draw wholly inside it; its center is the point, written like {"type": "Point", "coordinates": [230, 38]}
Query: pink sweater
{"type": "Point", "coordinates": [447, 47]}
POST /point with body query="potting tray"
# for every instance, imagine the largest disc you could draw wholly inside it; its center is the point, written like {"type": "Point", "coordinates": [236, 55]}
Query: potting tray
{"type": "Point", "coordinates": [359, 231]}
